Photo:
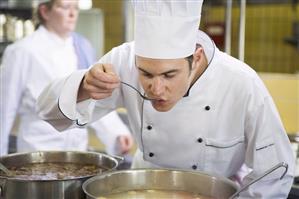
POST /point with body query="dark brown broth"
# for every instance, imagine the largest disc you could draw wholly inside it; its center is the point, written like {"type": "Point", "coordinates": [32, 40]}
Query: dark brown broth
{"type": "Point", "coordinates": [54, 171]}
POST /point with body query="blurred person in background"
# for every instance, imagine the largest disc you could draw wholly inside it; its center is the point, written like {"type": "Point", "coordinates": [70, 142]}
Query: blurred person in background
{"type": "Point", "coordinates": [29, 64]}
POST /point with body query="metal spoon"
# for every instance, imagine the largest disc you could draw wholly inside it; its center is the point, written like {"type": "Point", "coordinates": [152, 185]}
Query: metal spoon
{"type": "Point", "coordinates": [5, 170]}
{"type": "Point", "coordinates": [129, 85]}
{"type": "Point", "coordinates": [141, 95]}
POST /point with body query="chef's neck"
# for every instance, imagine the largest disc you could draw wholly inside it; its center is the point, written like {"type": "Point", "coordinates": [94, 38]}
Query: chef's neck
{"type": "Point", "coordinates": [62, 34]}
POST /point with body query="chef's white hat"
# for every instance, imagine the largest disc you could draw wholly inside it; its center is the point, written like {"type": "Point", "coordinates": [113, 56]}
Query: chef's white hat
{"type": "Point", "coordinates": [36, 3]}
{"type": "Point", "coordinates": [166, 29]}
{"type": "Point", "coordinates": [43, 1]}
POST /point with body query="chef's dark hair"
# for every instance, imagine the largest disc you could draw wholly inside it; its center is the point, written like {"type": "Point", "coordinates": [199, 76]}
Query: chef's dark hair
{"type": "Point", "coordinates": [190, 58]}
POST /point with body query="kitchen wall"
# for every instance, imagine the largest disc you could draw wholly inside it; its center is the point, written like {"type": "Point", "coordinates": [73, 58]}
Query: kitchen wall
{"type": "Point", "coordinates": [91, 25]}
{"type": "Point", "coordinates": [284, 88]}
{"type": "Point", "coordinates": [267, 28]}
{"type": "Point", "coordinates": [113, 21]}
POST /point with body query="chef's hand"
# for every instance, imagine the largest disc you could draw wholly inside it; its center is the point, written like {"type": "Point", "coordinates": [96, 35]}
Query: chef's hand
{"type": "Point", "coordinates": [124, 143]}
{"type": "Point", "coordinates": [98, 83]}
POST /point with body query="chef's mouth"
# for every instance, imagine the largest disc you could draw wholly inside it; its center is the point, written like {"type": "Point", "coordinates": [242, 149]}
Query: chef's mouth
{"type": "Point", "coordinates": [159, 101]}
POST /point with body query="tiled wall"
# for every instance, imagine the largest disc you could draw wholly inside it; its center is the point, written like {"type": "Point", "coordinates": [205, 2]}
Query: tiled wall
{"type": "Point", "coordinates": [267, 28]}
{"type": "Point", "coordinates": [284, 89]}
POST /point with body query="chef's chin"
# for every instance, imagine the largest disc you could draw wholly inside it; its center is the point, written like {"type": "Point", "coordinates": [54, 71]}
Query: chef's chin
{"type": "Point", "coordinates": [161, 106]}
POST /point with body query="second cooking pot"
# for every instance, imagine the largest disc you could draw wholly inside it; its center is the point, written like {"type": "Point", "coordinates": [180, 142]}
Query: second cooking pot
{"type": "Point", "coordinates": [198, 183]}
{"type": "Point", "coordinates": [116, 184]}
{"type": "Point", "coordinates": [14, 188]}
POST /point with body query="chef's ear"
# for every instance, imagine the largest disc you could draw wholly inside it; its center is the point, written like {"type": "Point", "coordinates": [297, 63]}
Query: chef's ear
{"type": "Point", "coordinates": [199, 53]}
{"type": "Point", "coordinates": [198, 56]}
{"type": "Point", "coordinates": [44, 12]}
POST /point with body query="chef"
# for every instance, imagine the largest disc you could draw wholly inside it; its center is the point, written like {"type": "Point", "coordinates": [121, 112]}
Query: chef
{"type": "Point", "coordinates": [203, 110]}
{"type": "Point", "coordinates": [29, 64]}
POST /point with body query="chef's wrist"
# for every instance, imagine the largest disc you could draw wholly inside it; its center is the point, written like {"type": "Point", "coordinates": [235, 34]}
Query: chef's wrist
{"type": "Point", "coordinates": [82, 93]}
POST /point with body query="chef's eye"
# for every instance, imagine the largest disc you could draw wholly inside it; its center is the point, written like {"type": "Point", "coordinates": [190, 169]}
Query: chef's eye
{"type": "Point", "coordinates": [68, 7]}
{"type": "Point", "coordinates": [169, 75]}
{"type": "Point", "coordinates": [147, 75]}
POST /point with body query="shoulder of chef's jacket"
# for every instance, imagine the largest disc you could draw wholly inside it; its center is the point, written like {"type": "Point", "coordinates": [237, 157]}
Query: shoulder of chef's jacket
{"type": "Point", "coordinates": [121, 53]}
{"type": "Point", "coordinates": [19, 48]}
{"type": "Point", "coordinates": [27, 43]}
{"type": "Point", "coordinates": [235, 69]}
{"type": "Point", "coordinates": [126, 49]}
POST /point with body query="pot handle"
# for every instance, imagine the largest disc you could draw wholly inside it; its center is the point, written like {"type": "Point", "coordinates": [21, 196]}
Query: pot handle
{"type": "Point", "coordinates": [2, 185]}
{"type": "Point", "coordinates": [118, 158]}
{"type": "Point", "coordinates": [282, 164]}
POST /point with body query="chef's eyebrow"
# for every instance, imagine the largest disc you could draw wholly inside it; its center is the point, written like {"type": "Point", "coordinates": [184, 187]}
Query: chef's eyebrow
{"type": "Point", "coordinates": [164, 73]}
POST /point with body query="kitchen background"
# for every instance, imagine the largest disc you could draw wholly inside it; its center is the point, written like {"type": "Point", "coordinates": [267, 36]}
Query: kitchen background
{"type": "Point", "coordinates": [271, 44]}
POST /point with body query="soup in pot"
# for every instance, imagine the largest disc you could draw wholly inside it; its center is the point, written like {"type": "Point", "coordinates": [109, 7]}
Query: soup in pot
{"type": "Point", "coordinates": [54, 171]}
{"type": "Point", "coordinates": [150, 194]}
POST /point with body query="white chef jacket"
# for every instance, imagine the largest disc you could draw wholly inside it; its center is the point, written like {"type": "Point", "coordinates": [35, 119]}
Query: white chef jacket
{"type": "Point", "coordinates": [28, 66]}
{"type": "Point", "coordinates": [227, 119]}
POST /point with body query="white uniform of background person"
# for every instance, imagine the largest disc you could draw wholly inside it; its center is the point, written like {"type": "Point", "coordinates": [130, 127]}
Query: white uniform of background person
{"type": "Point", "coordinates": [227, 118]}
{"type": "Point", "coordinates": [28, 66]}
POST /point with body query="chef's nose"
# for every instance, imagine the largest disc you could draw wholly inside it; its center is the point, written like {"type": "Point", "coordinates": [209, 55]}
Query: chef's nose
{"type": "Point", "coordinates": [157, 86]}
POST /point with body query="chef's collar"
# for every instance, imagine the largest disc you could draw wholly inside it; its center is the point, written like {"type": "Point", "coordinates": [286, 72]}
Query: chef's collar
{"type": "Point", "coordinates": [55, 38]}
{"type": "Point", "coordinates": [209, 48]}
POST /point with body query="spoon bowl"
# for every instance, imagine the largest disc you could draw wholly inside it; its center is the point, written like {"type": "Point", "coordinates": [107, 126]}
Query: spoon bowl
{"type": "Point", "coordinates": [141, 95]}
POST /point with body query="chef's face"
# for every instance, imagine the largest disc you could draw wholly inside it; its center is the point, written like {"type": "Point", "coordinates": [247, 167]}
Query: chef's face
{"type": "Point", "coordinates": [164, 80]}
{"type": "Point", "coordinates": [61, 17]}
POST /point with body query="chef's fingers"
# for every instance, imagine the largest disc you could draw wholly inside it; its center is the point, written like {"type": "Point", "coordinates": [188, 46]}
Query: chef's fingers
{"type": "Point", "coordinates": [90, 81]}
{"type": "Point", "coordinates": [97, 93]}
{"type": "Point", "coordinates": [121, 143]}
{"type": "Point", "coordinates": [95, 89]}
{"type": "Point", "coordinates": [104, 73]}
{"type": "Point", "coordinates": [99, 77]}
{"type": "Point", "coordinates": [108, 68]}
{"type": "Point", "coordinates": [130, 141]}
{"type": "Point", "coordinates": [125, 143]}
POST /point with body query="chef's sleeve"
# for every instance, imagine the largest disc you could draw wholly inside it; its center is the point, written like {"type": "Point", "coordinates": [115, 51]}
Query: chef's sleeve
{"type": "Point", "coordinates": [267, 146]}
{"type": "Point", "coordinates": [58, 105]}
{"type": "Point", "coordinates": [13, 74]}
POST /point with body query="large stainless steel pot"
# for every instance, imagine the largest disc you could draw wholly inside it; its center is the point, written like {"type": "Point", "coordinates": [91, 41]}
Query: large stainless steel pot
{"type": "Point", "coordinates": [159, 179]}
{"type": "Point", "coordinates": [198, 183]}
{"type": "Point", "coordinates": [11, 188]}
